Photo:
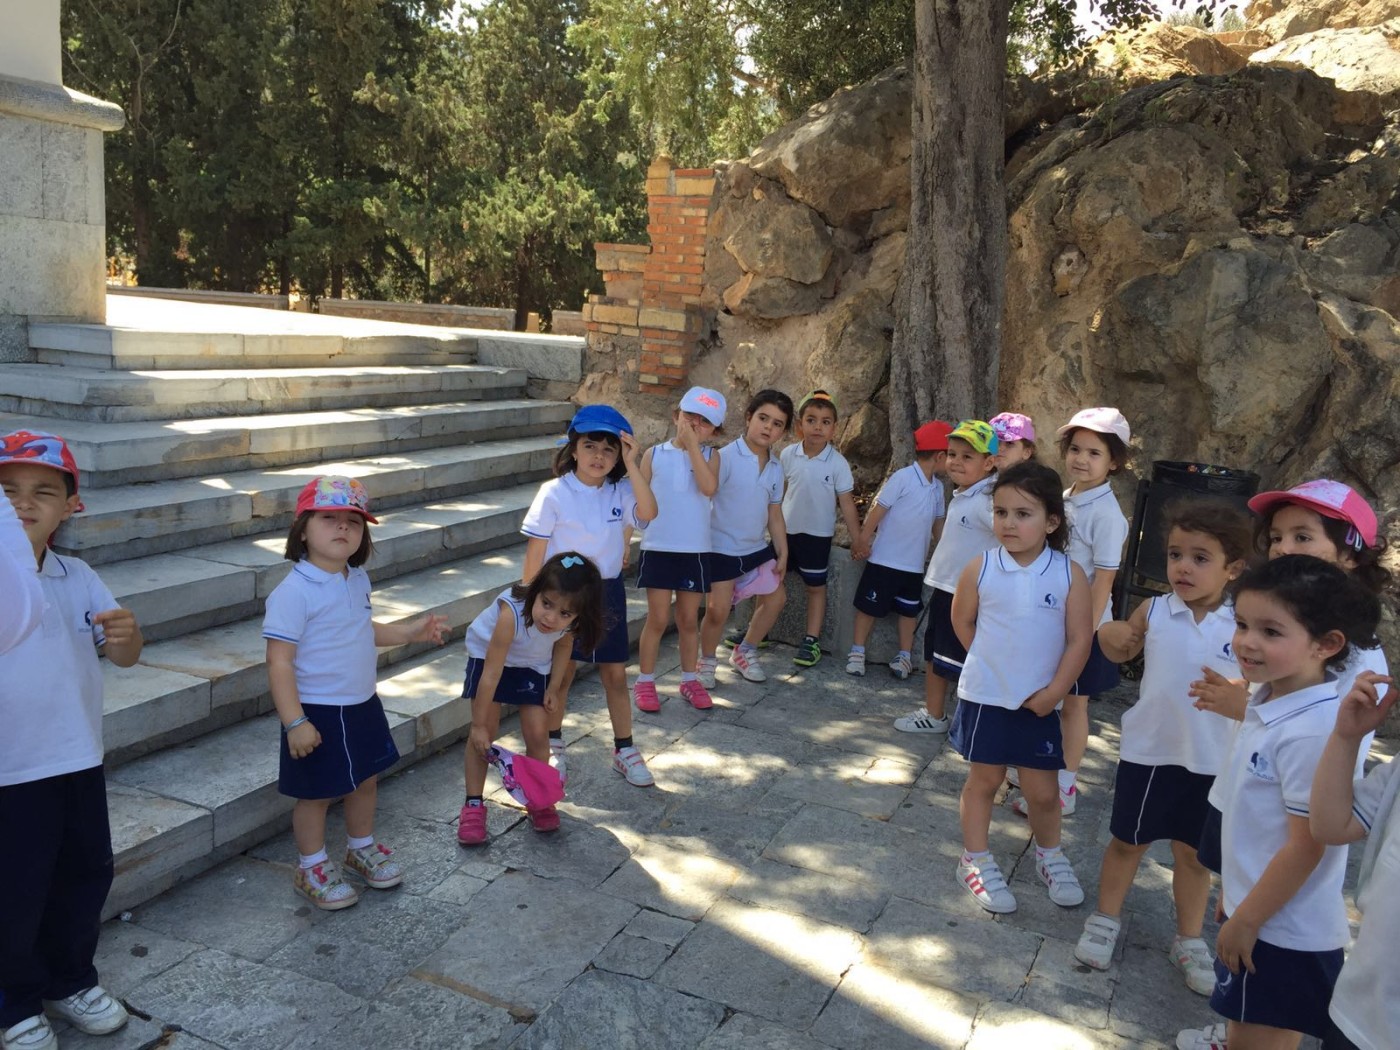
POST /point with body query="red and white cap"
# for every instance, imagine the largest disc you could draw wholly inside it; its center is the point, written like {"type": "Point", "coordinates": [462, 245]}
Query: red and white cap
{"type": "Point", "coordinates": [1329, 498]}
{"type": "Point", "coordinates": [42, 450]}
{"type": "Point", "coordinates": [1102, 420]}
{"type": "Point", "coordinates": [332, 492]}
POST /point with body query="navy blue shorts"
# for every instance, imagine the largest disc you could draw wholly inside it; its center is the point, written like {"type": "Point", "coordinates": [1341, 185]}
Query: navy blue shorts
{"type": "Point", "coordinates": [809, 556]}
{"type": "Point", "coordinates": [944, 655]}
{"type": "Point", "coordinates": [995, 736]}
{"type": "Point", "coordinates": [673, 571]}
{"type": "Point", "coordinates": [355, 745]}
{"type": "Point", "coordinates": [1336, 1039]}
{"type": "Point", "coordinates": [1288, 989]}
{"type": "Point", "coordinates": [614, 647]}
{"type": "Point", "coordinates": [722, 568]}
{"type": "Point", "coordinates": [1209, 850]}
{"type": "Point", "coordinates": [883, 590]}
{"type": "Point", "coordinates": [1152, 803]}
{"type": "Point", "coordinates": [518, 685]}
{"type": "Point", "coordinates": [1100, 674]}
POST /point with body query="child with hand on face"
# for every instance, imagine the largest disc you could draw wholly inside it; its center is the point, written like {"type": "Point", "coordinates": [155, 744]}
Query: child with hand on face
{"type": "Point", "coordinates": [321, 667]}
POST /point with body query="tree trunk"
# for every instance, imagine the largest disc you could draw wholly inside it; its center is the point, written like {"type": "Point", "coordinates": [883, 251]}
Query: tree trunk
{"type": "Point", "coordinates": [947, 339]}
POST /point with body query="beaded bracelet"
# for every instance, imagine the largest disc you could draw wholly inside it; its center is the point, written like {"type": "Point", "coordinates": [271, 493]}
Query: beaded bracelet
{"type": "Point", "coordinates": [294, 723]}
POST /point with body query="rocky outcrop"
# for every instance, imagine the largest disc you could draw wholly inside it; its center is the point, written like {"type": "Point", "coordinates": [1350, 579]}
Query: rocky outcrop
{"type": "Point", "coordinates": [1364, 58]}
{"type": "Point", "coordinates": [1281, 19]}
{"type": "Point", "coordinates": [1158, 51]}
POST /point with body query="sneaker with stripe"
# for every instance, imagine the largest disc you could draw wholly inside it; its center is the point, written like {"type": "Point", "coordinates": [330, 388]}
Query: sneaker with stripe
{"type": "Point", "coordinates": [985, 882]}
{"type": "Point", "coordinates": [1211, 1037]}
{"type": "Point", "coordinates": [1096, 943]}
{"type": "Point", "coordinates": [1055, 871]}
{"type": "Point", "coordinates": [1192, 957]}
{"type": "Point", "coordinates": [920, 721]}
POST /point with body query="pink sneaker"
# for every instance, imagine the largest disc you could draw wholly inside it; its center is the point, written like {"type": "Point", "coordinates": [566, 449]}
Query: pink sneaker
{"type": "Point", "coordinates": [696, 695]}
{"type": "Point", "coordinates": [546, 819]}
{"type": "Point", "coordinates": [471, 825]}
{"type": "Point", "coordinates": [644, 694]}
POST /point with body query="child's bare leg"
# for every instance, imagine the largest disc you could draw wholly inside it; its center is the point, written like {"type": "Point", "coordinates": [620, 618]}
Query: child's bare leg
{"type": "Point", "coordinates": [360, 805]}
{"type": "Point", "coordinates": [614, 679]}
{"type": "Point", "coordinates": [534, 727]}
{"type": "Point", "coordinates": [1241, 1036]}
{"type": "Point", "coordinates": [717, 609]}
{"type": "Point", "coordinates": [566, 682]}
{"type": "Point", "coordinates": [309, 825]}
{"type": "Point", "coordinates": [649, 645]}
{"type": "Point", "coordinates": [935, 692]}
{"type": "Point", "coordinates": [816, 610]}
{"type": "Point", "coordinates": [861, 631]}
{"type": "Point", "coordinates": [1042, 790]}
{"type": "Point", "coordinates": [1190, 889]}
{"type": "Point", "coordinates": [487, 714]}
{"type": "Point", "coordinates": [766, 608]}
{"type": "Point", "coordinates": [975, 804]}
{"type": "Point", "coordinates": [688, 628]}
{"type": "Point", "coordinates": [905, 625]}
{"type": "Point", "coordinates": [1120, 864]}
{"type": "Point", "coordinates": [1074, 729]}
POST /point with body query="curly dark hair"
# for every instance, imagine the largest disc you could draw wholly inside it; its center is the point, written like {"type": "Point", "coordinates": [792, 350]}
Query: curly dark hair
{"type": "Point", "coordinates": [575, 579]}
{"type": "Point", "coordinates": [1228, 524]}
{"type": "Point", "coordinates": [1321, 596]}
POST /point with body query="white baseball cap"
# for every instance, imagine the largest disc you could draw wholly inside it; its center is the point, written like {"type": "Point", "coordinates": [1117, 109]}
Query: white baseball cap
{"type": "Point", "coordinates": [1101, 420]}
{"type": "Point", "coordinates": [706, 403]}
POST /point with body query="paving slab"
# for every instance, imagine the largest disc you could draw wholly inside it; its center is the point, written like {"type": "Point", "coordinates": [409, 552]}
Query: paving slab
{"type": "Point", "coordinates": [414, 1013]}
{"type": "Point", "coordinates": [876, 1008]}
{"type": "Point", "coordinates": [620, 1012]}
{"type": "Point", "coordinates": [746, 1032]}
{"type": "Point", "coordinates": [826, 898]}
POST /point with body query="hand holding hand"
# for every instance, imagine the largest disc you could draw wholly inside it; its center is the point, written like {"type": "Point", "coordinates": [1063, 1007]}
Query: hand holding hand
{"type": "Point", "coordinates": [118, 625]}
{"type": "Point", "coordinates": [1364, 708]}
{"type": "Point", "coordinates": [1120, 636]}
{"type": "Point", "coordinates": [1235, 944]}
{"type": "Point", "coordinates": [1224, 696]}
{"type": "Point", "coordinates": [303, 740]}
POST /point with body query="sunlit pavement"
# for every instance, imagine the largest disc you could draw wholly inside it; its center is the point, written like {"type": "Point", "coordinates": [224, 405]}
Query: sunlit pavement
{"type": "Point", "coordinates": [788, 884]}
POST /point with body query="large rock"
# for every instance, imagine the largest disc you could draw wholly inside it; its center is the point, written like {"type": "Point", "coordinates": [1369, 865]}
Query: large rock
{"type": "Point", "coordinates": [1158, 51]}
{"type": "Point", "coordinates": [1359, 59]}
{"type": "Point", "coordinates": [1281, 19]}
{"type": "Point", "coordinates": [781, 238]}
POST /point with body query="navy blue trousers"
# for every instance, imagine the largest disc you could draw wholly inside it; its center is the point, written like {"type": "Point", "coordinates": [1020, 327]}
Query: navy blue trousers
{"type": "Point", "coordinates": [51, 899]}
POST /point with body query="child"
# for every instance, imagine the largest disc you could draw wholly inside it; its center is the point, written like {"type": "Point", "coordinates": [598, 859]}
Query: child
{"type": "Point", "coordinates": [321, 670]}
{"type": "Point", "coordinates": [517, 651]}
{"type": "Point", "coordinates": [965, 533]}
{"type": "Point", "coordinates": [596, 493]}
{"type": "Point", "coordinates": [676, 544]}
{"type": "Point", "coordinates": [1026, 597]}
{"type": "Point", "coordinates": [1365, 1009]}
{"type": "Point", "coordinates": [24, 597]}
{"type": "Point", "coordinates": [53, 796]}
{"type": "Point", "coordinates": [1095, 446]}
{"type": "Point", "coordinates": [1284, 917]}
{"type": "Point", "coordinates": [1015, 438]}
{"type": "Point", "coordinates": [1169, 752]}
{"type": "Point", "coordinates": [895, 538]}
{"type": "Point", "coordinates": [1329, 521]}
{"type": "Point", "coordinates": [819, 483]}
{"type": "Point", "coordinates": [748, 498]}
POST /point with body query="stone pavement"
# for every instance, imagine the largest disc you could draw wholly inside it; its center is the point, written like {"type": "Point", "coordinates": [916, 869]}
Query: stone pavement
{"type": "Point", "coordinates": [788, 884]}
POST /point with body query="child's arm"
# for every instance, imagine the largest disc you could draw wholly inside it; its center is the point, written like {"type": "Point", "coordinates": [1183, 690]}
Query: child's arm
{"type": "Point", "coordinates": [496, 651]}
{"type": "Point", "coordinates": [1283, 878]}
{"type": "Point", "coordinates": [560, 659]}
{"type": "Point", "coordinates": [19, 583]}
{"type": "Point", "coordinates": [1223, 696]}
{"type": "Point", "coordinates": [534, 558]}
{"type": "Point", "coordinates": [846, 503]}
{"type": "Point", "coordinates": [965, 603]}
{"type": "Point", "coordinates": [1079, 635]}
{"type": "Point", "coordinates": [430, 627]}
{"type": "Point", "coordinates": [1122, 640]}
{"type": "Point", "coordinates": [122, 636]}
{"type": "Point", "coordinates": [641, 483]}
{"type": "Point", "coordinates": [1331, 818]}
{"type": "Point", "coordinates": [706, 471]}
{"type": "Point", "coordinates": [873, 517]}
{"type": "Point", "coordinates": [627, 531]}
{"type": "Point", "coordinates": [777, 532]}
{"type": "Point", "coordinates": [1101, 593]}
{"type": "Point", "coordinates": [303, 738]}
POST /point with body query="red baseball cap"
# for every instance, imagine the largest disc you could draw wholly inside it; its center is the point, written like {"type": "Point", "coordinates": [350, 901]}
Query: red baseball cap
{"type": "Point", "coordinates": [1329, 498]}
{"type": "Point", "coordinates": [332, 492]}
{"type": "Point", "coordinates": [43, 450]}
{"type": "Point", "coordinates": [932, 436]}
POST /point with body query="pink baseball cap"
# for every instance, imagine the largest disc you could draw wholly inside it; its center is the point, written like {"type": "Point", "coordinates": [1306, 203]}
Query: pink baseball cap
{"type": "Point", "coordinates": [705, 403]}
{"type": "Point", "coordinates": [1013, 426]}
{"type": "Point", "coordinates": [42, 450]}
{"type": "Point", "coordinates": [532, 783]}
{"type": "Point", "coordinates": [332, 492]}
{"type": "Point", "coordinates": [1329, 498]}
{"type": "Point", "coordinates": [762, 580]}
{"type": "Point", "coordinates": [1102, 420]}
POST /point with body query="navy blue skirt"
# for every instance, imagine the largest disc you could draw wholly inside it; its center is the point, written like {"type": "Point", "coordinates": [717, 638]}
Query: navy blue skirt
{"type": "Point", "coordinates": [723, 567]}
{"type": "Point", "coordinates": [1288, 989]}
{"type": "Point", "coordinates": [1209, 849]}
{"type": "Point", "coordinates": [522, 686]}
{"type": "Point", "coordinates": [1100, 674]}
{"type": "Point", "coordinates": [673, 571]}
{"type": "Point", "coordinates": [1151, 803]}
{"type": "Point", "coordinates": [613, 647]}
{"type": "Point", "coordinates": [995, 736]}
{"type": "Point", "coordinates": [355, 745]}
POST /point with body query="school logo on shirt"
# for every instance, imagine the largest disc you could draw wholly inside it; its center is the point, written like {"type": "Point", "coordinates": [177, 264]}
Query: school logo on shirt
{"type": "Point", "coordinates": [1259, 767]}
{"type": "Point", "coordinates": [1047, 747]}
{"type": "Point", "coordinates": [1227, 652]}
{"type": "Point", "coordinates": [617, 512]}
{"type": "Point", "coordinates": [1049, 602]}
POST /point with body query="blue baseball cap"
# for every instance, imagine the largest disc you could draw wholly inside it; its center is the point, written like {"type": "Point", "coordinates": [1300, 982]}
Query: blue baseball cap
{"type": "Point", "coordinates": [599, 419]}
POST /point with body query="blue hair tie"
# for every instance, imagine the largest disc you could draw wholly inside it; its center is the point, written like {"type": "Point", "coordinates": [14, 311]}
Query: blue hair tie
{"type": "Point", "coordinates": [1354, 540]}
{"type": "Point", "coordinates": [570, 561]}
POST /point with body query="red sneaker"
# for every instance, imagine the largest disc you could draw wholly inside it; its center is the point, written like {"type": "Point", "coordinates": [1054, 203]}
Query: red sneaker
{"type": "Point", "coordinates": [696, 695]}
{"type": "Point", "coordinates": [644, 694]}
{"type": "Point", "coordinates": [546, 819]}
{"type": "Point", "coordinates": [471, 825]}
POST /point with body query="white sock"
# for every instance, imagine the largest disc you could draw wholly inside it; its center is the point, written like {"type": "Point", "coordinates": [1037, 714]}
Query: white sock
{"type": "Point", "coordinates": [688, 676]}
{"type": "Point", "coordinates": [1067, 778]}
{"type": "Point", "coordinates": [904, 653]}
{"type": "Point", "coordinates": [1041, 854]}
{"type": "Point", "coordinates": [857, 650]}
{"type": "Point", "coordinates": [747, 649]}
{"type": "Point", "coordinates": [969, 857]}
{"type": "Point", "coordinates": [319, 857]}
{"type": "Point", "coordinates": [646, 678]}
{"type": "Point", "coordinates": [355, 843]}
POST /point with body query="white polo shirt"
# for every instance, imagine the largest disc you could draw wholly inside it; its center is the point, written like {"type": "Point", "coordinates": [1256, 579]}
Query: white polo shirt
{"type": "Point", "coordinates": [813, 483]}
{"type": "Point", "coordinates": [1267, 778]}
{"type": "Point", "coordinates": [912, 504]}
{"type": "Point", "coordinates": [1097, 532]}
{"type": "Point", "coordinates": [327, 617]}
{"type": "Point", "coordinates": [51, 682]}
{"type": "Point", "coordinates": [19, 583]}
{"type": "Point", "coordinates": [682, 522]}
{"type": "Point", "coordinates": [1020, 609]}
{"type": "Point", "coordinates": [573, 516]}
{"type": "Point", "coordinates": [1366, 1001]}
{"type": "Point", "coordinates": [967, 532]}
{"type": "Point", "coordinates": [530, 648]}
{"type": "Point", "coordinates": [1164, 728]}
{"type": "Point", "coordinates": [739, 511]}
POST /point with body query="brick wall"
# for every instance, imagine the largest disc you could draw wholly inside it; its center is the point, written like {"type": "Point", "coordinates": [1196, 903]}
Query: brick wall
{"type": "Point", "coordinates": [652, 295]}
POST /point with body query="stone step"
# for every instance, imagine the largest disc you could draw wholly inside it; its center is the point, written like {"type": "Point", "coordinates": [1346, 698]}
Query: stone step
{"type": "Point", "coordinates": [118, 454]}
{"type": "Point", "coordinates": [138, 520]}
{"type": "Point", "coordinates": [175, 594]}
{"type": "Point", "coordinates": [100, 395]}
{"type": "Point", "coordinates": [183, 810]}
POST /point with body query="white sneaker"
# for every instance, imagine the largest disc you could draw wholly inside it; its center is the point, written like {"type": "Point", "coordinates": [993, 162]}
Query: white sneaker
{"type": "Point", "coordinates": [1068, 800]}
{"type": "Point", "coordinates": [987, 885]}
{"type": "Point", "coordinates": [855, 664]}
{"type": "Point", "coordinates": [557, 760]}
{"type": "Point", "coordinates": [91, 1011]}
{"type": "Point", "coordinates": [1192, 957]}
{"type": "Point", "coordinates": [745, 661]}
{"type": "Point", "coordinates": [901, 666]}
{"type": "Point", "coordinates": [629, 762]}
{"type": "Point", "coordinates": [33, 1033]}
{"type": "Point", "coordinates": [1096, 943]}
{"type": "Point", "coordinates": [920, 721]}
{"type": "Point", "coordinates": [705, 671]}
{"type": "Point", "coordinates": [1055, 871]}
{"type": "Point", "coordinates": [1211, 1037]}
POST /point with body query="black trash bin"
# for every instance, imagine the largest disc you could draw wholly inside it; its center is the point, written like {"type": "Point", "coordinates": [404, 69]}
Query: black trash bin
{"type": "Point", "coordinates": [1145, 561]}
